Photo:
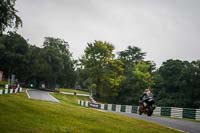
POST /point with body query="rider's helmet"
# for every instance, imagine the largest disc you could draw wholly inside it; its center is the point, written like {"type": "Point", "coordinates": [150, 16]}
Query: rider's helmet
{"type": "Point", "coordinates": [147, 90]}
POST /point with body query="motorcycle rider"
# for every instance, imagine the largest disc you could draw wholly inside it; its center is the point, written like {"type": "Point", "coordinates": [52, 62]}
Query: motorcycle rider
{"type": "Point", "coordinates": [146, 95]}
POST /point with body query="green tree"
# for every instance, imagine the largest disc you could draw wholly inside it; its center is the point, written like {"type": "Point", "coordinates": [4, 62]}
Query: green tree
{"type": "Point", "coordinates": [137, 73]}
{"type": "Point", "coordinates": [111, 79]}
{"type": "Point", "coordinates": [8, 15]}
{"type": "Point", "coordinates": [14, 49]}
{"type": "Point", "coordinates": [195, 83]}
{"type": "Point", "coordinates": [136, 81]}
{"type": "Point", "coordinates": [100, 68]}
{"type": "Point", "coordinates": [57, 55]}
{"type": "Point", "coordinates": [39, 70]}
{"type": "Point", "coordinates": [131, 56]}
{"type": "Point", "coordinates": [52, 64]}
{"type": "Point", "coordinates": [177, 84]}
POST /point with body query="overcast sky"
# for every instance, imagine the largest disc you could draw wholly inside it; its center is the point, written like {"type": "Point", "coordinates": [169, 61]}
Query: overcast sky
{"type": "Point", "coordinates": [163, 28]}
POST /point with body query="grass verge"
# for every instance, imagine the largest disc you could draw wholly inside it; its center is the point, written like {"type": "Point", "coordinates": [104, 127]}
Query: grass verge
{"type": "Point", "coordinates": [20, 114]}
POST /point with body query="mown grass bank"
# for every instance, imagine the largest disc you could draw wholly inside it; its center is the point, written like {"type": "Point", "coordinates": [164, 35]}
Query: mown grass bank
{"type": "Point", "coordinates": [20, 114]}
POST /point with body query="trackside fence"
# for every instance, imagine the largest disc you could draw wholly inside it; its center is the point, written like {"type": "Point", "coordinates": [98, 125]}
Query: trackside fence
{"type": "Point", "coordinates": [10, 91]}
{"type": "Point", "coordinates": [173, 112]}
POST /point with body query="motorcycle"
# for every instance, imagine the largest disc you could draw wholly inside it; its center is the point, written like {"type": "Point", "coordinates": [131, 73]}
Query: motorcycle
{"type": "Point", "coordinates": [147, 106]}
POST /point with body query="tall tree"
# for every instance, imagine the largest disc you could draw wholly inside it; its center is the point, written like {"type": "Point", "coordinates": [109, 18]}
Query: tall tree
{"type": "Point", "coordinates": [13, 48]}
{"type": "Point", "coordinates": [52, 64]}
{"type": "Point", "coordinates": [137, 73]}
{"type": "Point", "coordinates": [39, 70]}
{"type": "Point", "coordinates": [8, 15]}
{"type": "Point", "coordinates": [131, 56]}
{"type": "Point", "coordinates": [59, 58]}
{"type": "Point", "coordinates": [102, 70]}
{"type": "Point", "coordinates": [177, 84]}
{"type": "Point", "coordinates": [195, 83]}
{"type": "Point", "coordinates": [136, 81]}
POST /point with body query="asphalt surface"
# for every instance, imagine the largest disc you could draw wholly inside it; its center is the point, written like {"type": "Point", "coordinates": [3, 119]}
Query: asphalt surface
{"type": "Point", "coordinates": [180, 124]}
{"type": "Point", "coordinates": [40, 95]}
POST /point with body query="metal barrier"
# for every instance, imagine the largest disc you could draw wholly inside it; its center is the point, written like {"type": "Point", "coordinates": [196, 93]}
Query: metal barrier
{"type": "Point", "coordinates": [173, 112]}
{"type": "Point", "coordinates": [10, 91]}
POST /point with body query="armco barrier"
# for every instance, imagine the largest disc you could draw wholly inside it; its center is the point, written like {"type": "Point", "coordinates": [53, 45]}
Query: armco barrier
{"type": "Point", "coordinates": [165, 111]}
{"type": "Point", "coordinates": [197, 114]}
{"type": "Point", "coordinates": [10, 91]}
{"type": "Point", "coordinates": [189, 113]}
{"type": "Point", "coordinates": [173, 112]}
{"type": "Point", "coordinates": [157, 111]}
{"type": "Point", "coordinates": [176, 112]}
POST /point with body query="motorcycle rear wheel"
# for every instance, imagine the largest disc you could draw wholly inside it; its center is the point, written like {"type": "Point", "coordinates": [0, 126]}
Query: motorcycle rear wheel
{"type": "Point", "coordinates": [140, 110]}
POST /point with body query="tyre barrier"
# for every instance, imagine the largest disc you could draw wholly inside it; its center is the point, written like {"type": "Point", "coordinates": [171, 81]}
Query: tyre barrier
{"type": "Point", "coordinates": [173, 112]}
{"type": "Point", "coordinates": [10, 91]}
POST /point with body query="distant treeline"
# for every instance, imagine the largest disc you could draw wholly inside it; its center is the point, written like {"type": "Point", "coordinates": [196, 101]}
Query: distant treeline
{"type": "Point", "coordinates": [51, 64]}
{"type": "Point", "coordinates": [119, 78]}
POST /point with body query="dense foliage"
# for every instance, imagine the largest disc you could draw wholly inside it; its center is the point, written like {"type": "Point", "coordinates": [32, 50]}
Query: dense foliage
{"type": "Point", "coordinates": [8, 15]}
{"type": "Point", "coordinates": [101, 72]}
{"type": "Point", "coordinates": [123, 79]}
{"type": "Point", "coordinates": [109, 78]}
{"type": "Point", "coordinates": [137, 73]}
{"type": "Point", "coordinates": [177, 83]}
{"type": "Point", "coordinates": [51, 65]}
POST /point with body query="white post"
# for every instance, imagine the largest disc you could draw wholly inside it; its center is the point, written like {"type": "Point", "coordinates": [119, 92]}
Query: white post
{"type": "Point", "coordinates": [6, 86]}
{"type": "Point", "coordinates": [11, 91]}
{"type": "Point", "coordinates": [16, 89]}
{"type": "Point", "coordinates": [128, 108]}
{"type": "Point", "coordinates": [6, 91]}
{"type": "Point", "coordinates": [197, 114]}
{"type": "Point", "coordinates": [20, 89]}
{"type": "Point", "coordinates": [109, 107]}
{"type": "Point", "coordinates": [86, 103]}
{"type": "Point", "coordinates": [157, 111]}
{"type": "Point", "coordinates": [118, 108]}
{"type": "Point", "coordinates": [176, 112]}
{"type": "Point", "coordinates": [82, 103]}
{"type": "Point", "coordinates": [102, 106]}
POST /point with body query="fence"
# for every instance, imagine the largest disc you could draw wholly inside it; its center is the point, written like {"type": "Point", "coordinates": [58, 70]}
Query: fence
{"type": "Point", "coordinates": [10, 91]}
{"type": "Point", "coordinates": [173, 112]}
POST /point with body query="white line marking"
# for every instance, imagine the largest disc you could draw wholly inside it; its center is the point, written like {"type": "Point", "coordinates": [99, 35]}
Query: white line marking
{"type": "Point", "coordinates": [177, 130]}
{"type": "Point", "coordinates": [56, 100]}
{"type": "Point", "coordinates": [27, 93]}
{"type": "Point", "coordinates": [99, 110]}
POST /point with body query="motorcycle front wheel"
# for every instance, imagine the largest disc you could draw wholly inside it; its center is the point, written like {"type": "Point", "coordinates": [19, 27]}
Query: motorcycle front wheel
{"type": "Point", "coordinates": [150, 111]}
